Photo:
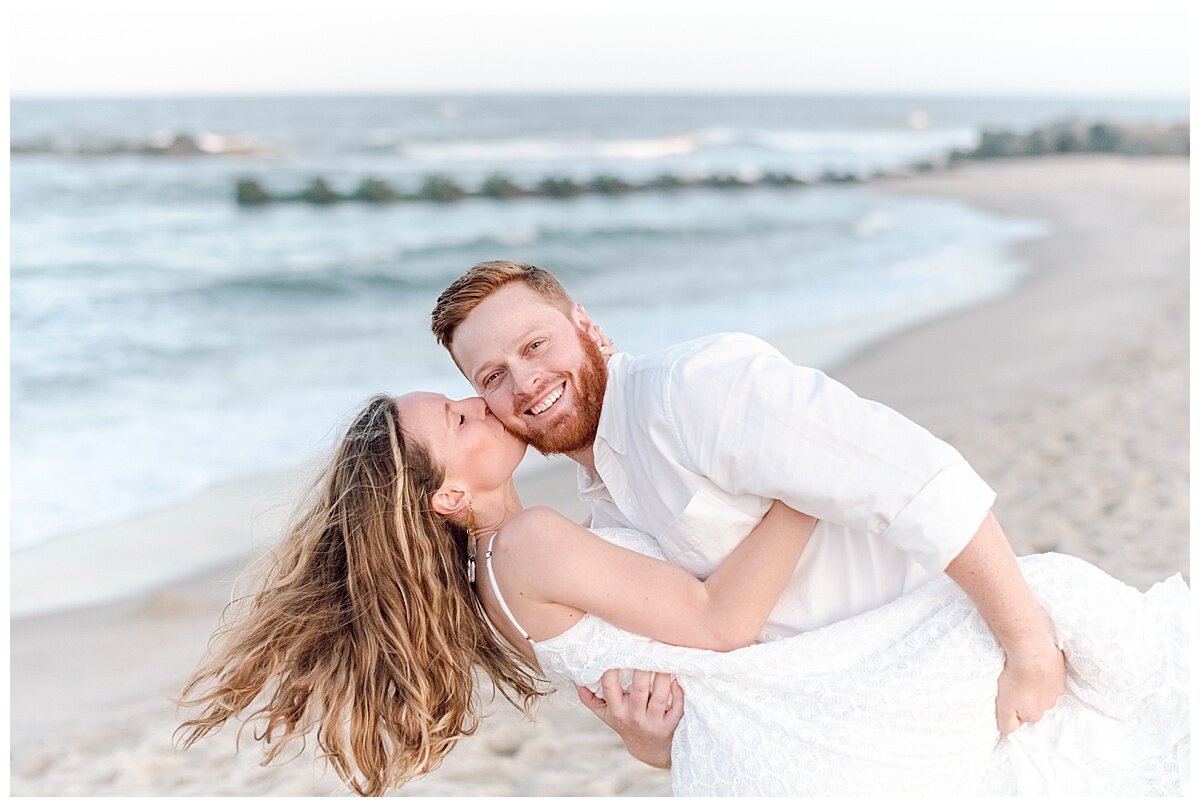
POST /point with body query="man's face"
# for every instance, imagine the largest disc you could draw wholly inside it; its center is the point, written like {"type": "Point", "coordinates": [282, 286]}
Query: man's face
{"type": "Point", "coordinates": [539, 369]}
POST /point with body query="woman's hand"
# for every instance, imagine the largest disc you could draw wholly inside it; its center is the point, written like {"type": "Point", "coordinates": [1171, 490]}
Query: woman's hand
{"type": "Point", "coordinates": [607, 346]}
{"type": "Point", "coordinates": [645, 717]}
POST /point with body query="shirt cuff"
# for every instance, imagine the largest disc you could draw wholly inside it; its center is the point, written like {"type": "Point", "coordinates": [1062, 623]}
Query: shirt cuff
{"type": "Point", "coordinates": [943, 517]}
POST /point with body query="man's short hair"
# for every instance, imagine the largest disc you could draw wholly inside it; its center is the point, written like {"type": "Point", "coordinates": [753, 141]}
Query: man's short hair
{"type": "Point", "coordinates": [462, 296]}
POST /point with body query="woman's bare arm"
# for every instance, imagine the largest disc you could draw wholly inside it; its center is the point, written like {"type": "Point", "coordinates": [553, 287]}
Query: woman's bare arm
{"type": "Point", "coordinates": [555, 561]}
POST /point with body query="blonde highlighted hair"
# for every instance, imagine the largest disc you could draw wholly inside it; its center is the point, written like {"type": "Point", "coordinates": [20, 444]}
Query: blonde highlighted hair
{"type": "Point", "coordinates": [365, 628]}
{"type": "Point", "coordinates": [462, 296]}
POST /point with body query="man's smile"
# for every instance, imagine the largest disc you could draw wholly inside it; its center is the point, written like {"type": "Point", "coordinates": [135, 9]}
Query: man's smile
{"type": "Point", "coordinates": [548, 401]}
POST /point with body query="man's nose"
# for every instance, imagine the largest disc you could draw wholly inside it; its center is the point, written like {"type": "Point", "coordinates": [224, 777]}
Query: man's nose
{"type": "Point", "coordinates": [526, 379]}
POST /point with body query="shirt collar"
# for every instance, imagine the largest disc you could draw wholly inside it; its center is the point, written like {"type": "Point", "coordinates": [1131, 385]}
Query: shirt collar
{"type": "Point", "coordinates": [608, 430]}
{"type": "Point", "coordinates": [609, 436]}
{"type": "Point", "coordinates": [589, 485]}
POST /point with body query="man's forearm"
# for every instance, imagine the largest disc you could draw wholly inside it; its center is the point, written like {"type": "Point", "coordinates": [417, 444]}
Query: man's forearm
{"type": "Point", "coordinates": [1034, 673]}
{"type": "Point", "coordinates": [987, 571]}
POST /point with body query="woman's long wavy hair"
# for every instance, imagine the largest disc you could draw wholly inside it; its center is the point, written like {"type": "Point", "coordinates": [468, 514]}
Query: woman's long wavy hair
{"type": "Point", "coordinates": [365, 626]}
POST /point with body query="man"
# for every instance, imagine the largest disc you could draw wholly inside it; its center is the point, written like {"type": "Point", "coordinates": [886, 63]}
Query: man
{"type": "Point", "coordinates": [691, 444]}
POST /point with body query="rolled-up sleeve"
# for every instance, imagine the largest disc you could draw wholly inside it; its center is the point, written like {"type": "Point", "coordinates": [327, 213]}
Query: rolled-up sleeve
{"type": "Point", "coordinates": [754, 423]}
{"type": "Point", "coordinates": [943, 517]}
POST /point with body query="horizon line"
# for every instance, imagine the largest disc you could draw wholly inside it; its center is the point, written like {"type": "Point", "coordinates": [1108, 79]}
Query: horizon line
{"type": "Point", "coordinates": [607, 92]}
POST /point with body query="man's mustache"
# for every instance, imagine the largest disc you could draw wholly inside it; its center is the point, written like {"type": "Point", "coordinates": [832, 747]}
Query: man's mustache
{"type": "Point", "coordinates": [523, 405]}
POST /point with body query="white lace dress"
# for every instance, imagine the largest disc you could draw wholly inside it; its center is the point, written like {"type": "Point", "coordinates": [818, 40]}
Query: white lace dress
{"type": "Point", "coordinates": [901, 700]}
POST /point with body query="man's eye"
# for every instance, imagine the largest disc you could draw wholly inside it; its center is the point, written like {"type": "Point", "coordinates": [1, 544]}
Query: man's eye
{"type": "Point", "coordinates": [491, 379]}
{"type": "Point", "coordinates": [537, 344]}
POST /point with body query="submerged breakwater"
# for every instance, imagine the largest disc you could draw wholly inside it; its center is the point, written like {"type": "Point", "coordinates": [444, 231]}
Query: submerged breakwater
{"type": "Point", "coordinates": [437, 188]}
{"type": "Point", "coordinates": [1066, 137]}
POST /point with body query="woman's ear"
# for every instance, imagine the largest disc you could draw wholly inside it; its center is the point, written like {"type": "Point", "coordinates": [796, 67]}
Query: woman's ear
{"type": "Point", "coordinates": [449, 501]}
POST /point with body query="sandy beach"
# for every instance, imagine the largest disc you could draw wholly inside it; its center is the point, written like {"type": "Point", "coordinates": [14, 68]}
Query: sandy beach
{"type": "Point", "coordinates": [1069, 396]}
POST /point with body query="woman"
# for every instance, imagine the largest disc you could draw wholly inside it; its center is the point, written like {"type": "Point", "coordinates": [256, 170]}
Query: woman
{"type": "Point", "coordinates": [368, 630]}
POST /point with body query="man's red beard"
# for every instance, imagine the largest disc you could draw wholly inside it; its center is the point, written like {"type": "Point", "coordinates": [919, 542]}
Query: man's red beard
{"type": "Point", "coordinates": [575, 430]}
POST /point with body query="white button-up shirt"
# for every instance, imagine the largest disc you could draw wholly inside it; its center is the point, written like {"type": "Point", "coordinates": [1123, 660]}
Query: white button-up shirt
{"type": "Point", "coordinates": [696, 441]}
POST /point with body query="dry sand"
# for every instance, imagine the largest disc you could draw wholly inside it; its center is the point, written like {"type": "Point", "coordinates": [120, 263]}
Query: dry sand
{"type": "Point", "coordinates": [1070, 397]}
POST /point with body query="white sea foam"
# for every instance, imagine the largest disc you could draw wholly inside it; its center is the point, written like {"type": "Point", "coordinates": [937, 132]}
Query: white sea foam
{"type": "Point", "coordinates": [526, 149]}
{"type": "Point", "coordinates": [648, 149]}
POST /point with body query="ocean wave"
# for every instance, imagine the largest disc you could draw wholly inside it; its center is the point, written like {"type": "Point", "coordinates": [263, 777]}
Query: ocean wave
{"type": "Point", "coordinates": [526, 149]}
{"type": "Point", "coordinates": [108, 366]}
{"type": "Point", "coordinates": [800, 141]}
{"type": "Point", "coordinates": [321, 284]}
{"type": "Point", "coordinates": [874, 223]}
{"type": "Point", "coordinates": [648, 149]}
{"type": "Point", "coordinates": [419, 267]}
{"type": "Point", "coordinates": [880, 142]}
{"type": "Point", "coordinates": [551, 234]}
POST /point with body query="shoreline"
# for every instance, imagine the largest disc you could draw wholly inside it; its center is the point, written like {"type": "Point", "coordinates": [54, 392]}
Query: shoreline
{"type": "Point", "coordinates": [1035, 388]}
{"type": "Point", "coordinates": [1126, 387]}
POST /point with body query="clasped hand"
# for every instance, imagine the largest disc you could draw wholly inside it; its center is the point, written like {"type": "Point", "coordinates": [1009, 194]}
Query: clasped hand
{"type": "Point", "coordinates": [646, 716]}
{"type": "Point", "coordinates": [1030, 683]}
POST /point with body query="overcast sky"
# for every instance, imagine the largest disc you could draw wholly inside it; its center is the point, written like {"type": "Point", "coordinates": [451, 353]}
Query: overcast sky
{"type": "Point", "coordinates": [1043, 47]}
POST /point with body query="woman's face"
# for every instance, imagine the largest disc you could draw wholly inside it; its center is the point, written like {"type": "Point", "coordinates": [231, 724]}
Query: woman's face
{"type": "Point", "coordinates": [464, 437]}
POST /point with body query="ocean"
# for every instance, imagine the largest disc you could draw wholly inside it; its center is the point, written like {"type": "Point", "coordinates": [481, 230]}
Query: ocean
{"type": "Point", "coordinates": [165, 339]}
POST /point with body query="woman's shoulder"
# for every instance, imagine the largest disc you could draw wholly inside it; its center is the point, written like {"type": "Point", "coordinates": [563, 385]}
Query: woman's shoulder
{"type": "Point", "coordinates": [532, 550]}
{"type": "Point", "coordinates": [546, 536]}
{"type": "Point", "coordinates": [533, 531]}
{"type": "Point", "coordinates": [532, 520]}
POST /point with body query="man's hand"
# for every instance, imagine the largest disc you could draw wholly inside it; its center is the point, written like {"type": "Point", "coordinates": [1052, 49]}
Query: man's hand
{"type": "Point", "coordinates": [645, 717]}
{"type": "Point", "coordinates": [1035, 672]}
{"type": "Point", "coordinates": [1031, 682]}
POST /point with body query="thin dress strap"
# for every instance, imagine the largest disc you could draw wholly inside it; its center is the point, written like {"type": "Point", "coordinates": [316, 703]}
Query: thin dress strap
{"type": "Point", "coordinates": [496, 590]}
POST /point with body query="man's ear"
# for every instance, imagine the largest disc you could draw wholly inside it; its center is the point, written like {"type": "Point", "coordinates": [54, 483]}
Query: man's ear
{"type": "Point", "coordinates": [449, 501]}
{"type": "Point", "coordinates": [584, 323]}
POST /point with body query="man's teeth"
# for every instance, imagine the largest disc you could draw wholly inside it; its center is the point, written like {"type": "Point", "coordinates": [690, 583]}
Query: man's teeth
{"type": "Point", "coordinates": [548, 401]}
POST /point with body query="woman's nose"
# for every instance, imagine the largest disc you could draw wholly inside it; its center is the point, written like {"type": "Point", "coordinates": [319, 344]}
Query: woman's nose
{"type": "Point", "coordinates": [475, 407]}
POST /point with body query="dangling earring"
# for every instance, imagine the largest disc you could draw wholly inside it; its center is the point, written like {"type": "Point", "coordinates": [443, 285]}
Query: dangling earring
{"type": "Point", "coordinates": [470, 543]}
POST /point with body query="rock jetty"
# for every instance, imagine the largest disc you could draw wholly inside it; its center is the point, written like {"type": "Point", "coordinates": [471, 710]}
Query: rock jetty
{"type": "Point", "coordinates": [1074, 136]}
{"type": "Point", "coordinates": [170, 145]}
